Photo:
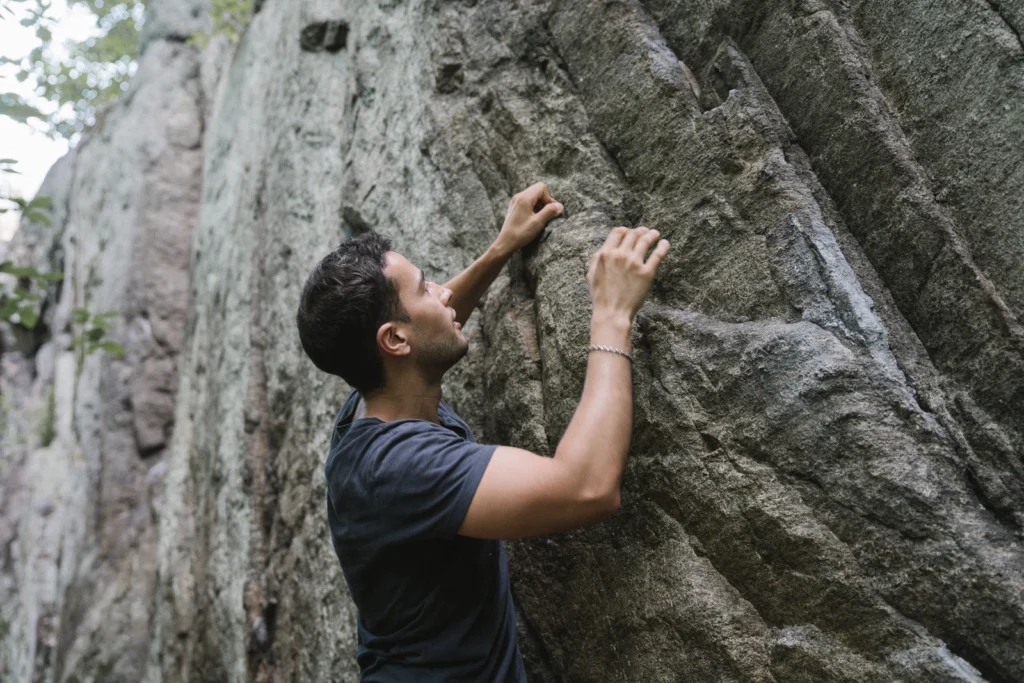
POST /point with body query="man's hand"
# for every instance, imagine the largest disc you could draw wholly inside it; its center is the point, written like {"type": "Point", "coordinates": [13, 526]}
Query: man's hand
{"type": "Point", "coordinates": [619, 277]}
{"type": "Point", "coordinates": [528, 213]}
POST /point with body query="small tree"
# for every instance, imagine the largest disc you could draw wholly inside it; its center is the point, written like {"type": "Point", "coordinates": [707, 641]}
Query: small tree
{"type": "Point", "coordinates": [92, 332]}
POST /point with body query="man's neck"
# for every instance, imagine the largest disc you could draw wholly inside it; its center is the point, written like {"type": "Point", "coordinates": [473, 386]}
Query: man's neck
{"type": "Point", "coordinates": [411, 400]}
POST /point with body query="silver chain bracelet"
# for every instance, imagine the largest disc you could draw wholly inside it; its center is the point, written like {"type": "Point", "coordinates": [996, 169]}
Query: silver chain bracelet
{"type": "Point", "coordinates": [612, 349]}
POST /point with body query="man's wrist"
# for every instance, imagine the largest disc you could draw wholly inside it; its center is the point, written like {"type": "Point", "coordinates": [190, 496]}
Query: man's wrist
{"type": "Point", "coordinates": [500, 249]}
{"type": "Point", "coordinates": [612, 328]}
{"type": "Point", "coordinates": [616, 320]}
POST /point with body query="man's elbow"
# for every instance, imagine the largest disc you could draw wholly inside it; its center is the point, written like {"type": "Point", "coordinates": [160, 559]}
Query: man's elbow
{"type": "Point", "coordinates": [602, 503]}
{"type": "Point", "coordinates": [613, 502]}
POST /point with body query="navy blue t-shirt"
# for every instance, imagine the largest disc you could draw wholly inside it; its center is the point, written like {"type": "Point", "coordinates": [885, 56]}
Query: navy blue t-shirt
{"type": "Point", "coordinates": [433, 605]}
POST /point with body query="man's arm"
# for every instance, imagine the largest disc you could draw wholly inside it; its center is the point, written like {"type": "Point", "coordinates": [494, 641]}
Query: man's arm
{"type": "Point", "coordinates": [524, 494]}
{"type": "Point", "coordinates": [469, 285]}
{"type": "Point", "coordinates": [528, 213]}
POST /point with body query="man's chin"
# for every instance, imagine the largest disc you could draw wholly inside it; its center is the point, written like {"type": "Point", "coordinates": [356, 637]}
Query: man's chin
{"type": "Point", "coordinates": [439, 359]}
{"type": "Point", "coordinates": [456, 353]}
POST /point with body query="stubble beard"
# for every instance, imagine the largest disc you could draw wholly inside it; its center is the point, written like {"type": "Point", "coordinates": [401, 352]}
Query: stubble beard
{"type": "Point", "coordinates": [438, 355]}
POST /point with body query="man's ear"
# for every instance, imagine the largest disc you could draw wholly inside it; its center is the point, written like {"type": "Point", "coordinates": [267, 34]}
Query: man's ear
{"type": "Point", "coordinates": [392, 340]}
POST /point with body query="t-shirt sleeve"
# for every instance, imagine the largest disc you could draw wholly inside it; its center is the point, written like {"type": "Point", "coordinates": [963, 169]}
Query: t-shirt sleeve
{"type": "Point", "coordinates": [424, 478]}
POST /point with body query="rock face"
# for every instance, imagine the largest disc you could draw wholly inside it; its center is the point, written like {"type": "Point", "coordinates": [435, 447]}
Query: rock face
{"type": "Point", "coordinates": [826, 481]}
{"type": "Point", "coordinates": [85, 443]}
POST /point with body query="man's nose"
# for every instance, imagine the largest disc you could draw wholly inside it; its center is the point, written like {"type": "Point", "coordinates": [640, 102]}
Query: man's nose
{"type": "Point", "coordinates": [446, 295]}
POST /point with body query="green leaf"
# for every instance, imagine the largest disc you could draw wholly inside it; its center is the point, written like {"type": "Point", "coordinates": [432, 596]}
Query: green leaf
{"type": "Point", "coordinates": [52, 277]}
{"type": "Point", "coordinates": [198, 40]}
{"type": "Point", "coordinates": [80, 315]}
{"type": "Point", "coordinates": [9, 308]}
{"type": "Point", "coordinates": [95, 334]}
{"type": "Point", "coordinates": [113, 348]}
{"type": "Point", "coordinates": [11, 269]}
{"type": "Point", "coordinates": [8, 161]}
{"type": "Point", "coordinates": [38, 217]}
{"type": "Point", "coordinates": [40, 202]}
{"type": "Point", "coordinates": [29, 316]}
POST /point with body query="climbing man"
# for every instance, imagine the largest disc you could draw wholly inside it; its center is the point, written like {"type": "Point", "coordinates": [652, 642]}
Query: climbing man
{"type": "Point", "coordinates": [417, 508]}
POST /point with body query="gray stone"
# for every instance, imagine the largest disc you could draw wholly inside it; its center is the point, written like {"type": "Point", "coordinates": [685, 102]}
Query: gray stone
{"type": "Point", "coordinates": [125, 205]}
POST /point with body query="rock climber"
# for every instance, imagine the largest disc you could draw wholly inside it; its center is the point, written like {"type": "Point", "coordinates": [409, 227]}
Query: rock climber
{"type": "Point", "coordinates": [417, 508]}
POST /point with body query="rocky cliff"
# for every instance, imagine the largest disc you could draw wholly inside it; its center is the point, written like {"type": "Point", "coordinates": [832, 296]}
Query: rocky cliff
{"type": "Point", "coordinates": [826, 481]}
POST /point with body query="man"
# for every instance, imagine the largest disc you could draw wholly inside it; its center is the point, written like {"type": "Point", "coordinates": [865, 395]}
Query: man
{"type": "Point", "coordinates": [417, 509]}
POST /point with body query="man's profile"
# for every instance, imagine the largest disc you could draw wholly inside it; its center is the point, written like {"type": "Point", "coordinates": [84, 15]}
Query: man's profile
{"type": "Point", "coordinates": [417, 508]}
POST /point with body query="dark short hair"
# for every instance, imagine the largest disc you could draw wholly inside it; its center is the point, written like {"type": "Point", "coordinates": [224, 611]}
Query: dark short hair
{"type": "Point", "coordinates": [344, 302]}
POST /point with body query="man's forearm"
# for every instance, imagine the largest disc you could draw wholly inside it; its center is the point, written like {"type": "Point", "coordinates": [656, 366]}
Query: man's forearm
{"type": "Point", "coordinates": [597, 439]}
{"type": "Point", "coordinates": [469, 285]}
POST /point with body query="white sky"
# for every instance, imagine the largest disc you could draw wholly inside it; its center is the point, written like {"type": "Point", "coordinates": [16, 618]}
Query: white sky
{"type": "Point", "coordinates": [34, 150]}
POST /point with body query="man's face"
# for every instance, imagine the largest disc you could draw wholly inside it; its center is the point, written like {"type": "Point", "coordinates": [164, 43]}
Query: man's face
{"type": "Point", "coordinates": [436, 339]}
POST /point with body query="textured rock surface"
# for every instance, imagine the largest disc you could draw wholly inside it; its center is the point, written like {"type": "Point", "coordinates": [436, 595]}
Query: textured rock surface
{"type": "Point", "coordinates": [826, 480]}
{"type": "Point", "coordinates": [79, 505]}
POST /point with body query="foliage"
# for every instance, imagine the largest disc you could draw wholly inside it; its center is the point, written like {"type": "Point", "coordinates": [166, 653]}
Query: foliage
{"type": "Point", "coordinates": [35, 209]}
{"type": "Point", "coordinates": [21, 305]}
{"type": "Point", "coordinates": [94, 328]}
{"type": "Point", "coordinates": [22, 308]}
{"type": "Point", "coordinates": [91, 74]}
{"type": "Point", "coordinates": [15, 107]}
{"type": "Point", "coordinates": [230, 19]}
